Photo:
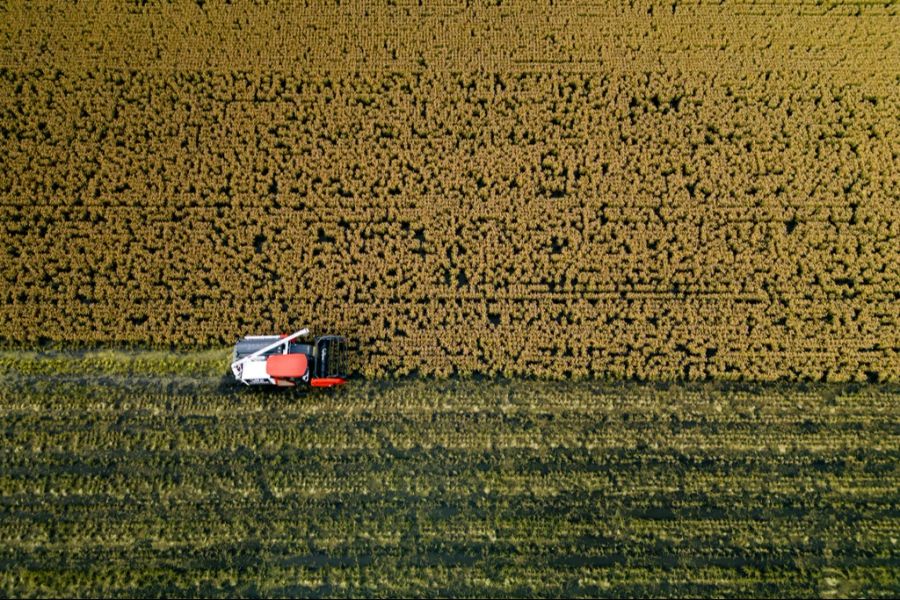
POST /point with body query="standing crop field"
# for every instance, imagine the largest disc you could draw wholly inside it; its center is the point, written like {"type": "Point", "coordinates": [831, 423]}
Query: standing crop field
{"type": "Point", "coordinates": [152, 477]}
{"type": "Point", "coordinates": [672, 190]}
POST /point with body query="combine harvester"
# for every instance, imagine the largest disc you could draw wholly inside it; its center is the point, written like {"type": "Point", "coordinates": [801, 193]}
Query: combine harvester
{"type": "Point", "coordinates": [278, 360]}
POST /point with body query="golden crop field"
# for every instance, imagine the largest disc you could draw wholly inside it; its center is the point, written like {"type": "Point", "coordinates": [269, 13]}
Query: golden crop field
{"type": "Point", "coordinates": [656, 190]}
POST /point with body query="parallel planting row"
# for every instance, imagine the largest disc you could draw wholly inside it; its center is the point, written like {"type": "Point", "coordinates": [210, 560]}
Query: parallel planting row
{"type": "Point", "coordinates": [147, 484]}
{"type": "Point", "coordinates": [578, 219]}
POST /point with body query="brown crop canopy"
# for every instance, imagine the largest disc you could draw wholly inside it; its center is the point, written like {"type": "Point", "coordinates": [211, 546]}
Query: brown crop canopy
{"type": "Point", "coordinates": [281, 366]}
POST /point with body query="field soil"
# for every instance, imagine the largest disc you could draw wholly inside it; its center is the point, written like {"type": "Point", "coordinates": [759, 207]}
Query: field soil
{"type": "Point", "coordinates": [137, 480]}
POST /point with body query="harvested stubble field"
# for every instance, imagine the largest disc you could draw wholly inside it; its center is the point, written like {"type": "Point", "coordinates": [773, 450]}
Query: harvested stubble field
{"type": "Point", "coordinates": [658, 190]}
{"type": "Point", "coordinates": [152, 477]}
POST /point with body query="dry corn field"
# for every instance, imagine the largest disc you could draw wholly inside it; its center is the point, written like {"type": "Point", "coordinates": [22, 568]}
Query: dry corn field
{"type": "Point", "coordinates": [658, 190]}
{"type": "Point", "coordinates": [149, 478]}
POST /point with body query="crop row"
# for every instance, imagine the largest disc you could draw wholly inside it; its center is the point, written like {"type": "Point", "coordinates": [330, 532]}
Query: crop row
{"type": "Point", "coordinates": [755, 241]}
{"type": "Point", "coordinates": [112, 487]}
